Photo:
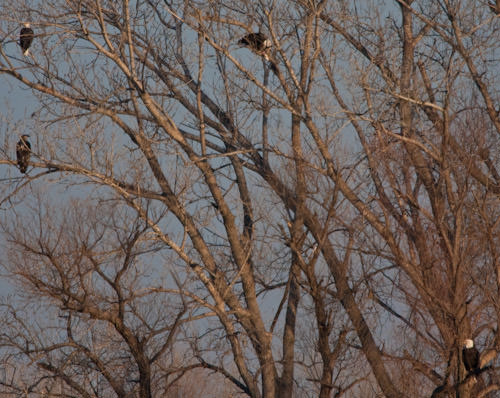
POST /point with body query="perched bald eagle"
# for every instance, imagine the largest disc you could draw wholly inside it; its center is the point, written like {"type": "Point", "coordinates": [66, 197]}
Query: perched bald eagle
{"type": "Point", "coordinates": [258, 43]}
{"type": "Point", "coordinates": [25, 38]}
{"type": "Point", "coordinates": [470, 356]}
{"type": "Point", "coordinates": [23, 152]}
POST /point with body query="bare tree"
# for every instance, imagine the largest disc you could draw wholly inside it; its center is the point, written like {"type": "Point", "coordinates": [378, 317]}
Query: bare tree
{"type": "Point", "coordinates": [316, 216]}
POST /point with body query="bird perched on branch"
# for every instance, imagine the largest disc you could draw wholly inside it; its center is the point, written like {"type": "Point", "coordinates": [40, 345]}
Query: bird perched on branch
{"type": "Point", "coordinates": [258, 43]}
{"type": "Point", "coordinates": [23, 152]}
{"type": "Point", "coordinates": [25, 38]}
{"type": "Point", "coordinates": [470, 357]}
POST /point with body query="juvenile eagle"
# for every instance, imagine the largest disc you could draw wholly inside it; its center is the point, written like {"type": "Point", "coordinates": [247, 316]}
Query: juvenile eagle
{"type": "Point", "coordinates": [23, 152]}
{"type": "Point", "coordinates": [25, 38]}
{"type": "Point", "coordinates": [470, 356]}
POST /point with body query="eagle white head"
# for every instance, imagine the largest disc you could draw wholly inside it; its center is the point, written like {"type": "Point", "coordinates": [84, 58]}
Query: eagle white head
{"type": "Point", "coordinates": [468, 343]}
{"type": "Point", "coordinates": [26, 24]}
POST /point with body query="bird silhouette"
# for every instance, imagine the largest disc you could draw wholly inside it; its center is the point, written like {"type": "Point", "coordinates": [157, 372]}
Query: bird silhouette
{"type": "Point", "coordinates": [23, 152]}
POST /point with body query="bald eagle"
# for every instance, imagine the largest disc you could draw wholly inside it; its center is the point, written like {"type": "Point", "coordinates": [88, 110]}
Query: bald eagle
{"type": "Point", "coordinates": [25, 38]}
{"type": "Point", "coordinates": [258, 43]}
{"type": "Point", "coordinates": [23, 151]}
{"type": "Point", "coordinates": [470, 356]}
